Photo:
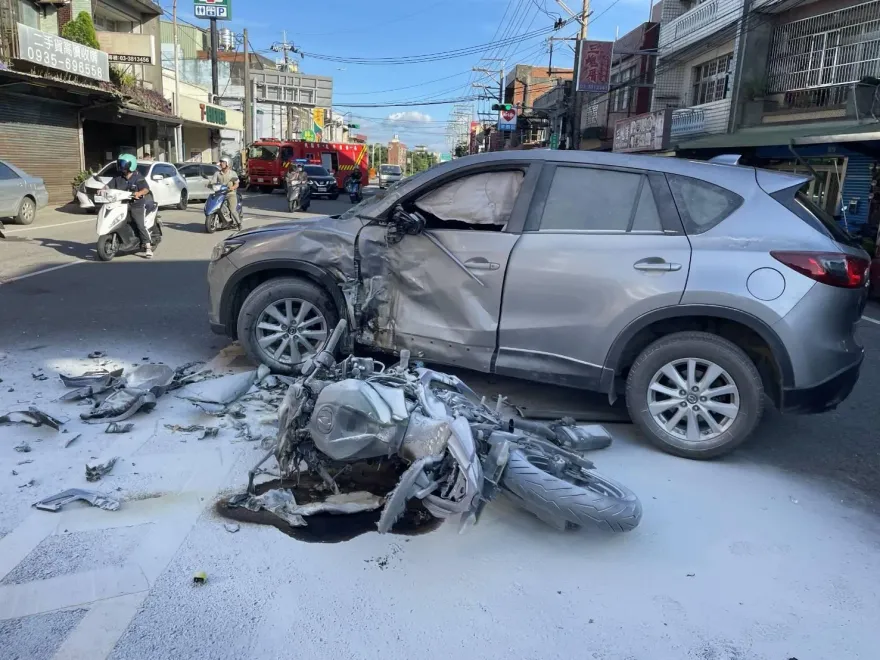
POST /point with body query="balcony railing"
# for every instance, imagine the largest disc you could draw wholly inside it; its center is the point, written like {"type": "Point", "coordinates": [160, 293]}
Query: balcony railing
{"type": "Point", "coordinates": [689, 121]}
{"type": "Point", "coordinates": [702, 119]}
{"type": "Point", "coordinates": [704, 20]}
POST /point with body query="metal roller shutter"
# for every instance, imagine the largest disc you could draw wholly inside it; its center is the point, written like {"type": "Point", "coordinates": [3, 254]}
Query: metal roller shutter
{"type": "Point", "coordinates": [42, 138]}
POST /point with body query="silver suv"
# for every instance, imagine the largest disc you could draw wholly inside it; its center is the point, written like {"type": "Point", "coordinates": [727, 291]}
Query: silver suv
{"type": "Point", "coordinates": [389, 174]}
{"type": "Point", "coordinates": [693, 289]}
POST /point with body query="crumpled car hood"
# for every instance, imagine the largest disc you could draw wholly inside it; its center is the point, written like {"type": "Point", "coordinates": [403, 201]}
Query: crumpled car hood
{"type": "Point", "coordinates": [290, 226]}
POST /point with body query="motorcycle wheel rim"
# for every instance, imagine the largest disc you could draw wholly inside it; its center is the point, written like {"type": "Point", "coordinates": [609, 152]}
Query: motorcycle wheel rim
{"type": "Point", "coordinates": [291, 330]}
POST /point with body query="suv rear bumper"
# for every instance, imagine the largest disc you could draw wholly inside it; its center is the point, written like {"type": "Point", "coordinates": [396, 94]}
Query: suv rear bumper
{"type": "Point", "coordinates": [827, 395]}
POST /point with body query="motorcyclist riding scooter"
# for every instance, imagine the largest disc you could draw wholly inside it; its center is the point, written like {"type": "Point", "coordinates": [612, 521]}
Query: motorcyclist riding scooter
{"type": "Point", "coordinates": [353, 186]}
{"type": "Point", "coordinates": [130, 180]}
{"type": "Point", "coordinates": [299, 194]}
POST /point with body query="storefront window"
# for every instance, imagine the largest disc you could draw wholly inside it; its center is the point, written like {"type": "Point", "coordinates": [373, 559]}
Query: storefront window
{"type": "Point", "coordinates": [28, 14]}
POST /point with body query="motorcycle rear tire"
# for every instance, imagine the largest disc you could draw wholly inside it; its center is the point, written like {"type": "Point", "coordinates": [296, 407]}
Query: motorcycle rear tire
{"type": "Point", "coordinates": [105, 248]}
{"type": "Point", "coordinates": [211, 223]}
{"type": "Point", "coordinates": [595, 502]}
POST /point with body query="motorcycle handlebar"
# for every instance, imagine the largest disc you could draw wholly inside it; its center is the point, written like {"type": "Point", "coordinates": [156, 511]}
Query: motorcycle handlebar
{"type": "Point", "coordinates": [335, 337]}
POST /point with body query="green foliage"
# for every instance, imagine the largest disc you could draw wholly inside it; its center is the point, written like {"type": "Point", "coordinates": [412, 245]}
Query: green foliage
{"type": "Point", "coordinates": [79, 178]}
{"type": "Point", "coordinates": [421, 160]}
{"type": "Point", "coordinates": [121, 78]}
{"type": "Point", "coordinates": [461, 150]}
{"type": "Point", "coordinates": [82, 30]}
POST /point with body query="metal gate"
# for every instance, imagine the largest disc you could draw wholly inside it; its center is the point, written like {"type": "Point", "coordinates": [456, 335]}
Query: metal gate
{"type": "Point", "coordinates": [42, 138]}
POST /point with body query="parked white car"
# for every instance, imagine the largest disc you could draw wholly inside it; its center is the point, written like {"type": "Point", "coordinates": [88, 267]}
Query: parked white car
{"type": "Point", "coordinates": [166, 184]}
{"type": "Point", "coordinates": [198, 178]}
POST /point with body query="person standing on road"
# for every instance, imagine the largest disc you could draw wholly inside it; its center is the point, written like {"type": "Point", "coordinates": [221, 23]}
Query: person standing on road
{"type": "Point", "coordinates": [129, 179]}
{"type": "Point", "coordinates": [229, 178]}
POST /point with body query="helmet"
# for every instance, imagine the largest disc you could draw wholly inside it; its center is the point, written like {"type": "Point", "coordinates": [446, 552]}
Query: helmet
{"type": "Point", "coordinates": [224, 160]}
{"type": "Point", "coordinates": [126, 163]}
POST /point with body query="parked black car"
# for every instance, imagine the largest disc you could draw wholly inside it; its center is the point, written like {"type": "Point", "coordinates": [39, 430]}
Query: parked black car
{"type": "Point", "coordinates": [322, 182]}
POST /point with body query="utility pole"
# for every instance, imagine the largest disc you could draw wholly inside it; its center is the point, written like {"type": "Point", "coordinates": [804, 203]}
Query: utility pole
{"type": "Point", "coordinates": [178, 130]}
{"type": "Point", "coordinates": [577, 97]}
{"type": "Point", "coordinates": [248, 96]}
{"type": "Point", "coordinates": [285, 48]}
{"type": "Point", "coordinates": [215, 75]}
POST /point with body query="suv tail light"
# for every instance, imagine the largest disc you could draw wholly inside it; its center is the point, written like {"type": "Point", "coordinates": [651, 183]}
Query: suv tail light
{"type": "Point", "coordinates": [832, 268]}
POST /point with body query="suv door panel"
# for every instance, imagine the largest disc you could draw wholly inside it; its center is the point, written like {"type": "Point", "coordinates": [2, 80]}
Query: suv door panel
{"type": "Point", "coordinates": [569, 293]}
{"type": "Point", "coordinates": [439, 293]}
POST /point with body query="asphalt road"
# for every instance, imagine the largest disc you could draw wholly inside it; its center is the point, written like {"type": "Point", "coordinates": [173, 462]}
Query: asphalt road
{"type": "Point", "coordinates": [166, 300]}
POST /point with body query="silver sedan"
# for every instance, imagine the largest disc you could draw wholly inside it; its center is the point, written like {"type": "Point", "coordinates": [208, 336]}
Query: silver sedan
{"type": "Point", "coordinates": [21, 194]}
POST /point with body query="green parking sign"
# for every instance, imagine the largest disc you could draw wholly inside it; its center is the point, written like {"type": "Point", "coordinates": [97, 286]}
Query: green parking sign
{"type": "Point", "coordinates": [219, 9]}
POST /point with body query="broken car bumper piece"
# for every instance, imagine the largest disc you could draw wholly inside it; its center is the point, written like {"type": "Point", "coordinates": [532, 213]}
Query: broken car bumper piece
{"type": "Point", "coordinates": [56, 502]}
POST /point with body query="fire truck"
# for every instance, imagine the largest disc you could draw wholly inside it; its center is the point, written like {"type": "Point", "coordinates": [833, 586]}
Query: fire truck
{"type": "Point", "coordinates": [270, 158]}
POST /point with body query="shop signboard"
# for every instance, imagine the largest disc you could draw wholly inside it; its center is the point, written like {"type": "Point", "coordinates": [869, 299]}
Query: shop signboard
{"type": "Point", "coordinates": [594, 66]}
{"type": "Point", "coordinates": [554, 141]}
{"type": "Point", "coordinates": [62, 54]}
{"type": "Point", "coordinates": [647, 132]}
{"type": "Point", "coordinates": [219, 9]}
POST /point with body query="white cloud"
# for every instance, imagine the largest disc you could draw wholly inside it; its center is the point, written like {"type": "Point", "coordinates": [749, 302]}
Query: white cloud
{"type": "Point", "coordinates": [409, 116]}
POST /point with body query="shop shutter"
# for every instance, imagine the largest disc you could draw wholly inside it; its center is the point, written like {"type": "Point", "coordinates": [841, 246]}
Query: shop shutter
{"type": "Point", "coordinates": [42, 138]}
{"type": "Point", "coordinates": [857, 185]}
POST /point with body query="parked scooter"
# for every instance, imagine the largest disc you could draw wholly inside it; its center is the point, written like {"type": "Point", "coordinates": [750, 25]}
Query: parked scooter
{"type": "Point", "coordinates": [217, 211]}
{"type": "Point", "coordinates": [353, 186]}
{"type": "Point", "coordinates": [117, 233]}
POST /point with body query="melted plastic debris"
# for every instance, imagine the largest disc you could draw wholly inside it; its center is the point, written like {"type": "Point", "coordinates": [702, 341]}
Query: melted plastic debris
{"type": "Point", "coordinates": [96, 470]}
{"type": "Point", "coordinates": [32, 416]}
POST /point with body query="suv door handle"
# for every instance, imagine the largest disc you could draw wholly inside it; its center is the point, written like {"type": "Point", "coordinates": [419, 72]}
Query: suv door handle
{"type": "Point", "coordinates": [656, 264]}
{"type": "Point", "coordinates": [479, 263]}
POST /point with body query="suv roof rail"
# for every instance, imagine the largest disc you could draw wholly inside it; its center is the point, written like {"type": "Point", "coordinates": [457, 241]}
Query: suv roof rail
{"type": "Point", "coordinates": [726, 159]}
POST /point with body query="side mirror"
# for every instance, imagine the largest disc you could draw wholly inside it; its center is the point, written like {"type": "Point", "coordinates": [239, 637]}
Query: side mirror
{"type": "Point", "coordinates": [403, 224]}
{"type": "Point", "coordinates": [158, 177]}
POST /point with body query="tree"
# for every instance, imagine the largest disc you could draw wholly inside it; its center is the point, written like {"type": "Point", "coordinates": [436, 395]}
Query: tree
{"type": "Point", "coordinates": [461, 150]}
{"type": "Point", "coordinates": [82, 30]}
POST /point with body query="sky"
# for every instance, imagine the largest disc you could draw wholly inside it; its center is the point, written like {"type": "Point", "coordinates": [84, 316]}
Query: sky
{"type": "Point", "coordinates": [402, 29]}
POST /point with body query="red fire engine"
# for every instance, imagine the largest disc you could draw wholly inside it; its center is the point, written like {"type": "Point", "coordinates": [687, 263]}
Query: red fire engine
{"type": "Point", "coordinates": [269, 159]}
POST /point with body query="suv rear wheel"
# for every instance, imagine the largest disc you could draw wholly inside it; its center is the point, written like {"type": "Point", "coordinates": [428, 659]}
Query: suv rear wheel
{"type": "Point", "coordinates": [695, 394]}
{"type": "Point", "coordinates": [285, 321]}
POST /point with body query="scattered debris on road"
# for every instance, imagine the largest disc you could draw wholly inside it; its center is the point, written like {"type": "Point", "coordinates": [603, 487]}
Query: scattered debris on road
{"type": "Point", "coordinates": [200, 577]}
{"type": "Point", "coordinates": [282, 503]}
{"type": "Point", "coordinates": [96, 355]}
{"type": "Point", "coordinates": [96, 470]}
{"type": "Point", "coordinates": [94, 378]}
{"type": "Point", "coordinates": [232, 528]}
{"type": "Point", "coordinates": [29, 484]}
{"type": "Point", "coordinates": [25, 462]}
{"type": "Point", "coordinates": [203, 431]}
{"type": "Point", "coordinates": [221, 391]}
{"type": "Point", "coordinates": [56, 502]}
{"type": "Point", "coordinates": [66, 442]}
{"type": "Point", "coordinates": [23, 448]}
{"type": "Point", "coordinates": [39, 375]}
{"type": "Point", "coordinates": [116, 427]}
{"type": "Point", "coordinates": [33, 416]}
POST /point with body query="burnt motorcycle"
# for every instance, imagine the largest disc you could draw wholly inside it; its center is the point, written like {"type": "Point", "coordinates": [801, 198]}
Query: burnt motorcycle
{"type": "Point", "coordinates": [453, 452]}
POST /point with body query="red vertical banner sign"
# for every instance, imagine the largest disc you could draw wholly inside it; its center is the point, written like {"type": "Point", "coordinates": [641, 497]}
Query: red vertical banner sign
{"type": "Point", "coordinates": [594, 67]}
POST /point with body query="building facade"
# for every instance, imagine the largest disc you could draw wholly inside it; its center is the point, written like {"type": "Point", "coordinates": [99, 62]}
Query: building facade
{"type": "Point", "coordinates": [789, 86]}
{"type": "Point", "coordinates": [397, 152]}
{"type": "Point", "coordinates": [66, 107]}
{"type": "Point", "coordinates": [632, 85]}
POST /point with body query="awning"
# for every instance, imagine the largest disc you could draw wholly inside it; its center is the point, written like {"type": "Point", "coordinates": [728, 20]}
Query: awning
{"type": "Point", "coordinates": [162, 119]}
{"type": "Point", "coordinates": [799, 134]}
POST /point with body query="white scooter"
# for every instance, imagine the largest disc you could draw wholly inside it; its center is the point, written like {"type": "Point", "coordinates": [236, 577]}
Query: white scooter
{"type": "Point", "coordinates": [117, 233]}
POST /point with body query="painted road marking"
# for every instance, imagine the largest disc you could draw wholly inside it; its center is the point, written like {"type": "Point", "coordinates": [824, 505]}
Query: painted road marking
{"type": "Point", "coordinates": [60, 224]}
{"type": "Point", "coordinates": [41, 272]}
{"type": "Point", "coordinates": [870, 320]}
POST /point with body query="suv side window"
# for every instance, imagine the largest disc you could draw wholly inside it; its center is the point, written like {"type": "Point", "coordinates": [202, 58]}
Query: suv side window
{"type": "Point", "coordinates": [482, 201]}
{"type": "Point", "coordinates": [701, 205]}
{"type": "Point", "coordinates": [589, 199]}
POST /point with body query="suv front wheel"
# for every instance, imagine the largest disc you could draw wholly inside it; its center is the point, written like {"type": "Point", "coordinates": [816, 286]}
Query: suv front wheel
{"type": "Point", "coordinates": [285, 321]}
{"type": "Point", "coordinates": [695, 394]}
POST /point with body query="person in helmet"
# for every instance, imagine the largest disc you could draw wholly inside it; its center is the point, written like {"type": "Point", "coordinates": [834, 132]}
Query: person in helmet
{"type": "Point", "coordinates": [134, 182]}
{"type": "Point", "coordinates": [228, 177]}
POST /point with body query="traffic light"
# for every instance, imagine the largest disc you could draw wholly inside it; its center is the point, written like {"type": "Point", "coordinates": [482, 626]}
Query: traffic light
{"type": "Point", "coordinates": [502, 106]}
